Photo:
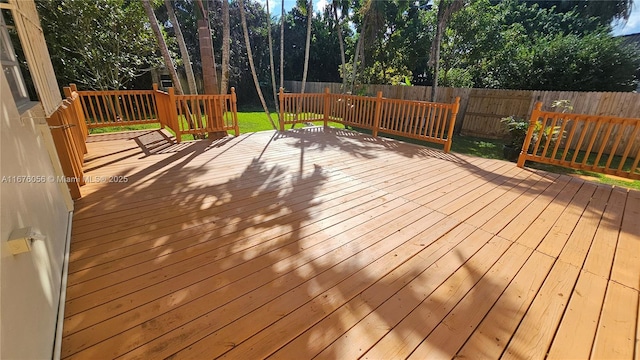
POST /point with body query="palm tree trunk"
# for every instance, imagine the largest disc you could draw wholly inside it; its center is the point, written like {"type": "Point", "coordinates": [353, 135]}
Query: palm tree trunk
{"type": "Point", "coordinates": [224, 82]}
{"type": "Point", "coordinates": [282, 45]}
{"type": "Point", "coordinates": [354, 73]}
{"type": "Point", "coordinates": [307, 45]}
{"type": "Point", "coordinates": [191, 79]}
{"type": "Point", "coordinates": [209, 75]}
{"type": "Point", "coordinates": [341, 42]}
{"type": "Point", "coordinates": [436, 62]}
{"type": "Point", "coordinates": [251, 65]}
{"type": "Point", "coordinates": [162, 45]}
{"type": "Point", "coordinates": [273, 70]}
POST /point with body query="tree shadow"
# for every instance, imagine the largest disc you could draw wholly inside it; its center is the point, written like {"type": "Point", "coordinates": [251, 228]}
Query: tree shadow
{"type": "Point", "coordinates": [198, 252]}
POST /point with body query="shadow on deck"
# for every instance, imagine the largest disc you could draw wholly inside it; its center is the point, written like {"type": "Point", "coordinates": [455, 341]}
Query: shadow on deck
{"type": "Point", "coordinates": [341, 245]}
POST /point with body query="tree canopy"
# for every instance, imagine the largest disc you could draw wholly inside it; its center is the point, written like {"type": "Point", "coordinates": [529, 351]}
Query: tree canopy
{"type": "Point", "coordinates": [550, 44]}
{"type": "Point", "coordinates": [103, 44]}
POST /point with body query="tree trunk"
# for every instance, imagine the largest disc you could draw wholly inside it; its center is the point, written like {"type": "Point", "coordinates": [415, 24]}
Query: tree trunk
{"type": "Point", "coordinates": [226, 37]}
{"type": "Point", "coordinates": [209, 75]}
{"type": "Point", "coordinates": [191, 79]}
{"type": "Point", "coordinates": [436, 62]}
{"type": "Point", "coordinates": [162, 45]}
{"type": "Point", "coordinates": [273, 70]}
{"type": "Point", "coordinates": [446, 8]}
{"type": "Point", "coordinates": [354, 73]}
{"type": "Point", "coordinates": [282, 45]}
{"type": "Point", "coordinates": [251, 65]}
{"type": "Point", "coordinates": [341, 42]}
{"type": "Point", "coordinates": [307, 45]}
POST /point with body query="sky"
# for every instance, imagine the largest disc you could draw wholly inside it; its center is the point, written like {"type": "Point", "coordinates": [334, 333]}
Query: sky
{"type": "Point", "coordinates": [632, 26]}
{"type": "Point", "coordinates": [274, 5]}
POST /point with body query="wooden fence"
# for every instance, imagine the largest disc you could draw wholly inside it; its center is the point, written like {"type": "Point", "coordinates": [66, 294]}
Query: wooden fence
{"type": "Point", "coordinates": [433, 122]}
{"type": "Point", "coordinates": [183, 114]}
{"type": "Point", "coordinates": [584, 142]}
{"type": "Point", "coordinates": [482, 109]}
{"type": "Point", "coordinates": [69, 132]}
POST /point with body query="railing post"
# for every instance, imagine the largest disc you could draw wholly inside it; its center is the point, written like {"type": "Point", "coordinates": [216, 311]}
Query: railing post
{"type": "Point", "coordinates": [75, 111]}
{"type": "Point", "coordinates": [234, 111]}
{"type": "Point", "coordinates": [452, 124]}
{"type": "Point", "coordinates": [158, 108]}
{"type": "Point", "coordinates": [73, 87]}
{"type": "Point", "coordinates": [281, 101]}
{"type": "Point", "coordinates": [535, 114]}
{"type": "Point", "coordinates": [173, 114]}
{"type": "Point", "coordinates": [327, 103]}
{"type": "Point", "coordinates": [376, 117]}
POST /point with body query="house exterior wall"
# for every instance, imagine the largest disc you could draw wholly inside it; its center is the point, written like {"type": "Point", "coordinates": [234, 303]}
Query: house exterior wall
{"type": "Point", "coordinates": [29, 282]}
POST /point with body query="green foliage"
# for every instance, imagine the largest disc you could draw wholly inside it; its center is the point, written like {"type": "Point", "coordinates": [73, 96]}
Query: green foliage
{"type": "Point", "coordinates": [489, 43]}
{"type": "Point", "coordinates": [517, 128]}
{"type": "Point", "coordinates": [455, 77]}
{"type": "Point", "coordinates": [103, 44]}
{"type": "Point", "coordinates": [519, 45]}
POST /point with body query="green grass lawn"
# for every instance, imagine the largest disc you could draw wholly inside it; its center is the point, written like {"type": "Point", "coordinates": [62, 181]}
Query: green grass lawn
{"type": "Point", "coordinates": [253, 120]}
{"type": "Point", "coordinates": [250, 120]}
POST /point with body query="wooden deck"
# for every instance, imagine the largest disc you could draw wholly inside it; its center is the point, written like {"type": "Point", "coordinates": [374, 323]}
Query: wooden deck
{"type": "Point", "coordinates": [337, 246]}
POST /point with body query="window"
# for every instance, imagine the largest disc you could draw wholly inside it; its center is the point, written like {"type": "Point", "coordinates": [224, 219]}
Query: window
{"type": "Point", "coordinates": [11, 67]}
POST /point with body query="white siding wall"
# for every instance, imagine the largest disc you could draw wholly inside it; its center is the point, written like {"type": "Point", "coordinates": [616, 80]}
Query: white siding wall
{"type": "Point", "coordinates": [30, 282]}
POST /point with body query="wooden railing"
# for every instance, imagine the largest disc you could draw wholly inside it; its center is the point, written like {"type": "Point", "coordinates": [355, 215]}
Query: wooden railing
{"type": "Point", "coordinates": [426, 121]}
{"type": "Point", "coordinates": [118, 107]}
{"type": "Point", "coordinates": [183, 114]}
{"type": "Point", "coordinates": [351, 110]}
{"type": "Point", "coordinates": [604, 144]}
{"type": "Point", "coordinates": [202, 114]}
{"type": "Point", "coordinates": [302, 108]}
{"type": "Point", "coordinates": [69, 132]}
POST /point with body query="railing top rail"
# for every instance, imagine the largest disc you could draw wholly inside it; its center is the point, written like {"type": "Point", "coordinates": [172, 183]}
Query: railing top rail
{"type": "Point", "coordinates": [113, 92]}
{"type": "Point", "coordinates": [301, 95]}
{"type": "Point", "coordinates": [204, 96]}
{"type": "Point", "coordinates": [583, 116]}
{"type": "Point", "coordinates": [368, 98]}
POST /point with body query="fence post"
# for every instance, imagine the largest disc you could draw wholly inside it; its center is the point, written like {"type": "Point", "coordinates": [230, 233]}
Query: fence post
{"type": "Point", "coordinates": [234, 111]}
{"type": "Point", "coordinates": [281, 101]}
{"type": "Point", "coordinates": [527, 140]}
{"type": "Point", "coordinates": [327, 102]}
{"type": "Point", "coordinates": [452, 124]}
{"type": "Point", "coordinates": [173, 114]}
{"type": "Point", "coordinates": [376, 117]}
{"type": "Point", "coordinates": [160, 112]}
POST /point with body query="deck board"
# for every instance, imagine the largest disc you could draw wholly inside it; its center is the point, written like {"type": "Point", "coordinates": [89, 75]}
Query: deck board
{"type": "Point", "coordinates": [340, 245]}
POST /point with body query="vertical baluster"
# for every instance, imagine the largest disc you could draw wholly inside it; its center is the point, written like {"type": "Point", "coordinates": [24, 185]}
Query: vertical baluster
{"type": "Point", "coordinates": [549, 134]}
{"type": "Point", "coordinates": [100, 99]}
{"type": "Point", "coordinates": [560, 138]}
{"type": "Point", "coordinates": [592, 141]}
{"type": "Point", "coordinates": [622, 127]}
{"type": "Point", "coordinates": [627, 149]}
{"type": "Point", "coordinates": [587, 123]}
{"type": "Point", "coordinates": [438, 121]}
{"type": "Point", "coordinates": [604, 142]}
{"type": "Point", "coordinates": [540, 135]}
{"type": "Point", "coordinates": [574, 125]}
